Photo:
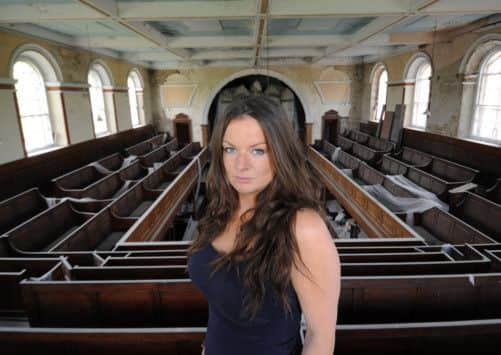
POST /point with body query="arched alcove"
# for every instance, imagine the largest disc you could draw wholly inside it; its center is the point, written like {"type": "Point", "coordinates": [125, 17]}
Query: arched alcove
{"type": "Point", "coordinates": [259, 85]}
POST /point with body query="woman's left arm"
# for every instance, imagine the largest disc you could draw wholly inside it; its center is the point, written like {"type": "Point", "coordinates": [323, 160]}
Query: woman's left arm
{"type": "Point", "coordinates": [317, 285]}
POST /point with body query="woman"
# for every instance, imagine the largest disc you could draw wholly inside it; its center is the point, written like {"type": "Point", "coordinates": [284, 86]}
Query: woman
{"type": "Point", "coordinates": [263, 252]}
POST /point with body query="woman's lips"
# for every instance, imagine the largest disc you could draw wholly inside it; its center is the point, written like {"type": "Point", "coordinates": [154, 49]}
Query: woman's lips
{"type": "Point", "coordinates": [242, 179]}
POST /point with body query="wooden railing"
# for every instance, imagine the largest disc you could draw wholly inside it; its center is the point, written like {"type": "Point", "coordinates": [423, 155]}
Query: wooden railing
{"type": "Point", "coordinates": [159, 217]}
{"type": "Point", "coordinates": [374, 218]}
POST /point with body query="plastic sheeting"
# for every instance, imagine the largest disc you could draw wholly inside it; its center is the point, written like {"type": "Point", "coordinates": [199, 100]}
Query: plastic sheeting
{"type": "Point", "coordinates": [335, 154]}
{"type": "Point", "coordinates": [397, 204]}
{"type": "Point", "coordinates": [417, 190]}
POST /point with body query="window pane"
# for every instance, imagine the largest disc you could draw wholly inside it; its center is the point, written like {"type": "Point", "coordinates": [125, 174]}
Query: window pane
{"type": "Point", "coordinates": [134, 113]}
{"type": "Point", "coordinates": [33, 107]}
{"type": "Point", "coordinates": [421, 96]}
{"type": "Point", "coordinates": [381, 93]}
{"type": "Point", "coordinates": [487, 116]}
{"type": "Point", "coordinates": [97, 102]}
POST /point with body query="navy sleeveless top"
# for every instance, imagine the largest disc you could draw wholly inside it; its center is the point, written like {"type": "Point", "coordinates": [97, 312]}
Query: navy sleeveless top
{"type": "Point", "coordinates": [273, 331]}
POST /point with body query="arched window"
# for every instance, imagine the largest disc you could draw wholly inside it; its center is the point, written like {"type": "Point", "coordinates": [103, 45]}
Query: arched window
{"type": "Point", "coordinates": [486, 123]}
{"type": "Point", "coordinates": [96, 79]}
{"type": "Point", "coordinates": [135, 98]}
{"type": "Point", "coordinates": [379, 90]}
{"type": "Point", "coordinates": [33, 106]}
{"type": "Point", "coordinates": [420, 103]}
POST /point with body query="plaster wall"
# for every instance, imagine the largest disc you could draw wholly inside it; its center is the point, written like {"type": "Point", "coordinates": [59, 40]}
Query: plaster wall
{"type": "Point", "coordinates": [78, 112]}
{"type": "Point", "coordinates": [301, 79]}
{"type": "Point", "coordinates": [11, 147]}
{"type": "Point", "coordinates": [123, 110]}
{"type": "Point", "coordinates": [446, 84]}
{"type": "Point", "coordinates": [73, 66]}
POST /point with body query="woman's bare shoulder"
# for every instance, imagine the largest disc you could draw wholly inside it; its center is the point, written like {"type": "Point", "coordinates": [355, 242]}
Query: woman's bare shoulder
{"type": "Point", "coordinates": [310, 227]}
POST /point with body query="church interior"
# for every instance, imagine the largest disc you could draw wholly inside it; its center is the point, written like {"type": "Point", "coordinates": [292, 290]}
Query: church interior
{"type": "Point", "coordinates": [107, 110]}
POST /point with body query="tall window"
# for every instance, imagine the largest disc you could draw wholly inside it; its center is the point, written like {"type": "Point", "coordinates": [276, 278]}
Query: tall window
{"type": "Point", "coordinates": [381, 90]}
{"type": "Point", "coordinates": [420, 103]}
{"type": "Point", "coordinates": [135, 88]}
{"type": "Point", "coordinates": [486, 123]}
{"type": "Point", "coordinates": [97, 101]}
{"type": "Point", "coordinates": [33, 106]}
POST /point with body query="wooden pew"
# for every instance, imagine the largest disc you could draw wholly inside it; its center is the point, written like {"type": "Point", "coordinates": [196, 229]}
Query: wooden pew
{"type": "Point", "coordinates": [437, 226]}
{"type": "Point", "coordinates": [162, 212]}
{"type": "Point", "coordinates": [493, 193]}
{"type": "Point", "coordinates": [160, 154]}
{"type": "Point", "coordinates": [450, 337]}
{"type": "Point", "coordinates": [359, 137]}
{"type": "Point", "coordinates": [345, 143]}
{"type": "Point", "coordinates": [347, 161]}
{"type": "Point", "coordinates": [411, 157]}
{"type": "Point", "coordinates": [455, 174]}
{"type": "Point", "coordinates": [84, 341]}
{"type": "Point", "coordinates": [134, 202]}
{"type": "Point", "coordinates": [458, 337]}
{"type": "Point", "coordinates": [391, 166]}
{"type": "Point", "coordinates": [140, 149]}
{"type": "Point", "coordinates": [377, 299]}
{"type": "Point", "coordinates": [480, 213]}
{"type": "Point", "coordinates": [77, 180]}
{"type": "Point", "coordinates": [45, 230]}
{"type": "Point", "coordinates": [12, 271]}
{"type": "Point", "coordinates": [136, 303]}
{"type": "Point", "coordinates": [101, 232]}
{"type": "Point", "coordinates": [39, 170]}
{"type": "Point", "coordinates": [133, 172]}
{"type": "Point", "coordinates": [20, 208]}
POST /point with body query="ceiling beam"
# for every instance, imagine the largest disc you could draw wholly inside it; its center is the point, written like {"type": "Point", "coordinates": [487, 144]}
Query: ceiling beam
{"type": "Point", "coordinates": [302, 8]}
{"type": "Point", "coordinates": [261, 23]}
{"type": "Point", "coordinates": [307, 41]}
{"type": "Point", "coordinates": [15, 13]}
{"type": "Point", "coordinates": [186, 9]}
{"type": "Point", "coordinates": [110, 8]}
{"type": "Point", "coordinates": [378, 26]}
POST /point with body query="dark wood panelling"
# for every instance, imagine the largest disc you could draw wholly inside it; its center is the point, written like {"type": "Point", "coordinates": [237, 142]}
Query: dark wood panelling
{"type": "Point", "coordinates": [23, 174]}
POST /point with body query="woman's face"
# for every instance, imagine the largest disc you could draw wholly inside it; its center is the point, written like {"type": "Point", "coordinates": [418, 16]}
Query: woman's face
{"type": "Point", "coordinates": [246, 157]}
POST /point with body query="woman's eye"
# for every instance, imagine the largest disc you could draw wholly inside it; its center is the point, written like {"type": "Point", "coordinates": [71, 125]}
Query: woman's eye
{"type": "Point", "coordinates": [258, 151]}
{"type": "Point", "coordinates": [228, 149]}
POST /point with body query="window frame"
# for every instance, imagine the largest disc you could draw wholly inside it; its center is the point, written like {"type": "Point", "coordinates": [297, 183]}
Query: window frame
{"type": "Point", "coordinates": [136, 80]}
{"type": "Point", "coordinates": [47, 115]}
{"type": "Point", "coordinates": [417, 81]}
{"type": "Point", "coordinates": [98, 69]}
{"type": "Point", "coordinates": [375, 91]}
{"type": "Point", "coordinates": [479, 91]}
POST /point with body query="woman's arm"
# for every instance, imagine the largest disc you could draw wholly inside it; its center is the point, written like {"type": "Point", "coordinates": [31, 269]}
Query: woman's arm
{"type": "Point", "coordinates": [317, 285]}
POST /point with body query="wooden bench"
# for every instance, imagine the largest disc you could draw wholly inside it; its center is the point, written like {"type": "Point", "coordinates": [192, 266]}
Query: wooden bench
{"type": "Point", "coordinates": [480, 213]}
{"type": "Point", "coordinates": [20, 208]}
{"type": "Point", "coordinates": [45, 230]}
{"type": "Point", "coordinates": [455, 174]}
{"type": "Point", "coordinates": [411, 157]}
{"type": "Point", "coordinates": [101, 232]}
{"type": "Point", "coordinates": [175, 303]}
{"type": "Point", "coordinates": [437, 226]}
{"type": "Point", "coordinates": [84, 341]}
{"type": "Point", "coordinates": [140, 149]}
{"type": "Point", "coordinates": [77, 179]}
{"type": "Point", "coordinates": [134, 202]}
{"type": "Point", "coordinates": [133, 172]}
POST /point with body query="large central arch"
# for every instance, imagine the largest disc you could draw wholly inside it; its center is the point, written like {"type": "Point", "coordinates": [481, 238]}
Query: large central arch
{"type": "Point", "coordinates": [265, 72]}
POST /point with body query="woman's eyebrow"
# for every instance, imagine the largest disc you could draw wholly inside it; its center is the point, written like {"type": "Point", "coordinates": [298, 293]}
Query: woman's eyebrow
{"type": "Point", "coordinates": [253, 145]}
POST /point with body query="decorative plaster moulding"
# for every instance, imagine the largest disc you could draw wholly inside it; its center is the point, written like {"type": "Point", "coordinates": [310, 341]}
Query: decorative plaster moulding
{"type": "Point", "coordinates": [335, 92]}
{"type": "Point", "coordinates": [177, 95]}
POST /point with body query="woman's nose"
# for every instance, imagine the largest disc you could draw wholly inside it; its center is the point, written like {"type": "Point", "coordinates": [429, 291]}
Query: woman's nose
{"type": "Point", "coordinates": [243, 161]}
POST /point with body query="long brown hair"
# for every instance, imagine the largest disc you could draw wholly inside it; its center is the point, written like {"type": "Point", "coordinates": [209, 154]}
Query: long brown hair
{"type": "Point", "coordinates": [265, 240]}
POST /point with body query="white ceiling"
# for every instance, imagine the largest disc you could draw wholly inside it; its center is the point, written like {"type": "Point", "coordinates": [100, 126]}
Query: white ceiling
{"type": "Point", "coordinates": [165, 34]}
